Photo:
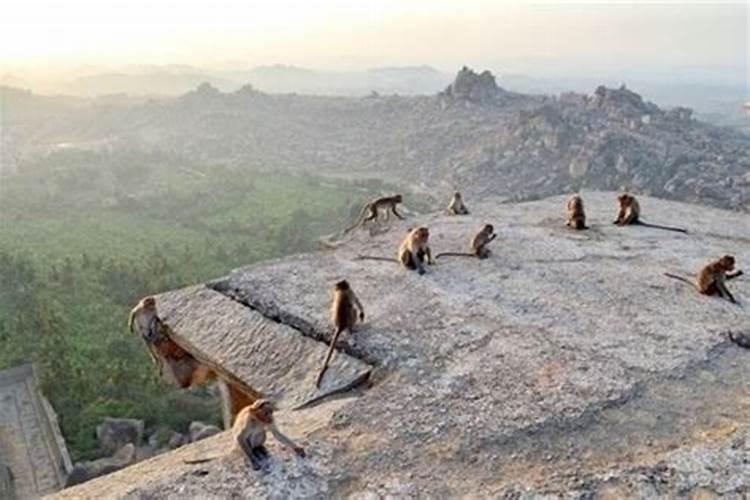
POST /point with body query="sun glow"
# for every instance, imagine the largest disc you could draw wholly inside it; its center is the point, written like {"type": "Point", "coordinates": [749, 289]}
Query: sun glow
{"type": "Point", "coordinates": [347, 32]}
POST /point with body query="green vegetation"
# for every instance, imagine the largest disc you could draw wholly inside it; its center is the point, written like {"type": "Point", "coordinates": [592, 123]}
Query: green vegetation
{"type": "Point", "coordinates": [84, 235]}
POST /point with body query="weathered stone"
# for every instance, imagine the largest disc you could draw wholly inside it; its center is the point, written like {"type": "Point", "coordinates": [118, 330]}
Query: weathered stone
{"type": "Point", "coordinates": [680, 113]}
{"type": "Point", "coordinates": [473, 87]}
{"type": "Point", "coordinates": [564, 363]}
{"type": "Point", "coordinates": [32, 449]}
{"type": "Point", "coordinates": [273, 358]}
{"type": "Point", "coordinates": [126, 454]}
{"type": "Point", "coordinates": [199, 430]}
{"type": "Point", "coordinates": [165, 437]}
{"type": "Point", "coordinates": [85, 471]}
{"type": "Point", "coordinates": [176, 441]}
{"type": "Point", "coordinates": [114, 433]}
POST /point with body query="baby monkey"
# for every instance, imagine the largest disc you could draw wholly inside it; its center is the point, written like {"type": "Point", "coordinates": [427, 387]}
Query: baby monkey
{"type": "Point", "coordinates": [712, 278]}
{"type": "Point", "coordinates": [575, 216]}
{"type": "Point", "coordinates": [478, 244]}
{"type": "Point", "coordinates": [249, 434]}
{"type": "Point", "coordinates": [630, 214]}
{"type": "Point", "coordinates": [346, 309]}
{"type": "Point", "coordinates": [456, 206]}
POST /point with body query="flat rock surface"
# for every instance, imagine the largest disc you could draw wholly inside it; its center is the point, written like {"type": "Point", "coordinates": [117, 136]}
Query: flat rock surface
{"type": "Point", "coordinates": [270, 357]}
{"type": "Point", "coordinates": [564, 359]}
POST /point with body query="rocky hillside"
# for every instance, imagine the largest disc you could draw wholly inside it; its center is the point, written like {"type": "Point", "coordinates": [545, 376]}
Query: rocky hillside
{"type": "Point", "coordinates": [566, 364]}
{"type": "Point", "coordinates": [474, 136]}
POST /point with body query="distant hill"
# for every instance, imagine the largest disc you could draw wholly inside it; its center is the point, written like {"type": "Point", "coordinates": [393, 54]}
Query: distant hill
{"type": "Point", "coordinates": [153, 82]}
{"type": "Point", "coordinates": [473, 135]}
{"type": "Point", "coordinates": [172, 80]}
{"type": "Point", "coordinates": [714, 99]}
{"type": "Point", "coordinates": [408, 80]}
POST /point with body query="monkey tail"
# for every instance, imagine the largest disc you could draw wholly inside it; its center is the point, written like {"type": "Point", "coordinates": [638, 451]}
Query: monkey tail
{"type": "Point", "coordinates": [680, 278]}
{"type": "Point", "coordinates": [358, 221]}
{"type": "Point", "coordinates": [454, 254]}
{"type": "Point", "coordinates": [372, 257]}
{"type": "Point", "coordinates": [328, 357]}
{"type": "Point", "coordinates": [327, 242]}
{"type": "Point", "coordinates": [666, 228]}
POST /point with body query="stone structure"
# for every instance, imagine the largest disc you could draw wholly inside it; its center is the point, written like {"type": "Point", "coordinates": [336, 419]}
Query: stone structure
{"type": "Point", "coordinates": [31, 445]}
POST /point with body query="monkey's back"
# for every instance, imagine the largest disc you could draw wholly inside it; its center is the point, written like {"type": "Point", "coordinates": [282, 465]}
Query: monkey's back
{"type": "Point", "coordinates": [707, 276]}
{"type": "Point", "coordinates": [342, 313]}
{"type": "Point", "coordinates": [635, 209]}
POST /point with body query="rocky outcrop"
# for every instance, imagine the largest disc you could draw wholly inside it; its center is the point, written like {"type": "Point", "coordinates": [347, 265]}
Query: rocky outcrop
{"type": "Point", "coordinates": [623, 103]}
{"type": "Point", "coordinates": [615, 140]}
{"type": "Point", "coordinates": [114, 433]}
{"type": "Point", "coordinates": [271, 358]}
{"type": "Point", "coordinates": [86, 471]}
{"type": "Point", "coordinates": [478, 88]}
{"type": "Point", "coordinates": [166, 439]}
{"type": "Point", "coordinates": [176, 440]}
{"type": "Point", "coordinates": [565, 365]}
{"type": "Point", "coordinates": [199, 430]}
{"type": "Point", "coordinates": [474, 135]}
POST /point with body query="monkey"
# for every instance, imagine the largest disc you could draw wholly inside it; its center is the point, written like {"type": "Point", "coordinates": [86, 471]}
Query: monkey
{"type": "Point", "coordinates": [456, 206]}
{"type": "Point", "coordinates": [478, 244]}
{"type": "Point", "coordinates": [370, 211]}
{"type": "Point", "coordinates": [186, 370]}
{"type": "Point", "coordinates": [415, 248]}
{"type": "Point", "coordinates": [411, 252]}
{"type": "Point", "coordinates": [576, 217]}
{"type": "Point", "coordinates": [249, 434]}
{"type": "Point", "coordinates": [630, 213]}
{"type": "Point", "coordinates": [145, 321]}
{"type": "Point", "coordinates": [345, 310]}
{"type": "Point", "coordinates": [711, 279]}
{"type": "Point", "coordinates": [629, 210]}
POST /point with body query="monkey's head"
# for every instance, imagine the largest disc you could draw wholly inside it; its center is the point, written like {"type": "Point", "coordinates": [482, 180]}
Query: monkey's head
{"type": "Point", "coordinates": [262, 409]}
{"type": "Point", "coordinates": [457, 195]}
{"type": "Point", "coordinates": [398, 198]}
{"type": "Point", "coordinates": [727, 262]}
{"type": "Point", "coordinates": [422, 233]}
{"type": "Point", "coordinates": [149, 303]}
{"type": "Point", "coordinates": [342, 286]}
{"type": "Point", "coordinates": [488, 228]}
{"type": "Point", "coordinates": [625, 199]}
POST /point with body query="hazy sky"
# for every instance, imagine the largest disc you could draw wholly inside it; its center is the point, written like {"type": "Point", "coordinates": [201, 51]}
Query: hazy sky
{"type": "Point", "coordinates": [43, 34]}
